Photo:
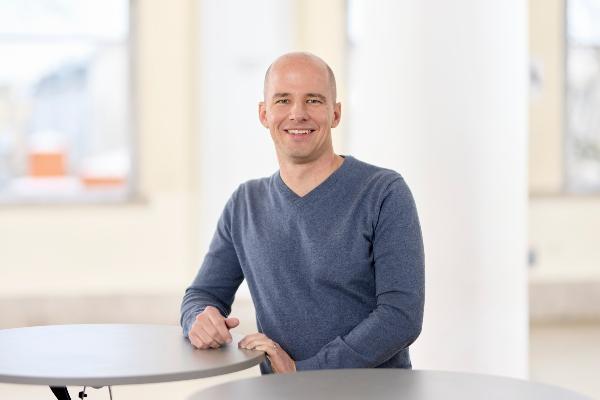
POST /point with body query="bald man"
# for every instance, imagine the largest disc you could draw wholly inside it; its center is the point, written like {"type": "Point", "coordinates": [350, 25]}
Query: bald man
{"type": "Point", "coordinates": [330, 246]}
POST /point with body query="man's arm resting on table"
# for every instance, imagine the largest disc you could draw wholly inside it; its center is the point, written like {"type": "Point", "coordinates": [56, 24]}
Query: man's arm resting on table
{"type": "Point", "coordinates": [206, 307]}
{"type": "Point", "coordinates": [376, 339]}
{"type": "Point", "coordinates": [207, 302]}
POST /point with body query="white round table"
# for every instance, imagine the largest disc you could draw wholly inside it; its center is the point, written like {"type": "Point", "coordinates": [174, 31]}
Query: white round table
{"type": "Point", "coordinates": [100, 355]}
{"type": "Point", "coordinates": [383, 384]}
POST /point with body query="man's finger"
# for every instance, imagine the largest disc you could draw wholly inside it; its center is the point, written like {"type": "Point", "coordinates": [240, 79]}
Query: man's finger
{"type": "Point", "coordinates": [193, 340]}
{"type": "Point", "coordinates": [221, 332]}
{"type": "Point", "coordinates": [252, 343]}
{"type": "Point", "coordinates": [205, 337]}
{"type": "Point", "coordinates": [196, 341]}
{"type": "Point", "coordinates": [232, 322]}
{"type": "Point", "coordinates": [271, 352]}
{"type": "Point", "coordinates": [272, 357]}
{"type": "Point", "coordinates": [212, 330]}
{"type": "Point", "coordinates": [248, 338]}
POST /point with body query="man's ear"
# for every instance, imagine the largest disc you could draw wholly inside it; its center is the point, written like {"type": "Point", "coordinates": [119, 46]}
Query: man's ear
{"type": "Point", "coordinates": [337, 114]}
{"type": "Point", "coordinates": [262, 114]}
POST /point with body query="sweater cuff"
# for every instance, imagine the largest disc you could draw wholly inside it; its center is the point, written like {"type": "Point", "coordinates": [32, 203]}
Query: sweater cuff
{"type": "Point", "coordinates": [189, 321]}
{"type": "Point", "coordinates": [187, 325]}
{"type": "Point", "coordinates": [308, 364]}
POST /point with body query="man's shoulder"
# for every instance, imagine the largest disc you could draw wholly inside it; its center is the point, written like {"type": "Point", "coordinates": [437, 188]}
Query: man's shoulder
{"type": "Point", "coordinates": [385, 186]}
{"type": "Point", "coordinates": [256, 187]}
{"type": "Point", "coordinates": [372, 174]}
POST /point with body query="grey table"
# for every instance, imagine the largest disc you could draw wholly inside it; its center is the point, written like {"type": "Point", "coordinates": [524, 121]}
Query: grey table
{"type": "Point", "coordinates": [375, 384]}
{"type": "Point", "coordinates": [109, 354]}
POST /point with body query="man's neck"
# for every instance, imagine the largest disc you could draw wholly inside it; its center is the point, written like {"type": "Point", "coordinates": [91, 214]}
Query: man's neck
{"type": "Point", "coordinates": [303, 178]}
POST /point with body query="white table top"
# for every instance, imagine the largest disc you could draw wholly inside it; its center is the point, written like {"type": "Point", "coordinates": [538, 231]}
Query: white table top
{"type": "Point", "coordinates": [375, 384]}
{"type": "Point", "coordinates": [111, 354]}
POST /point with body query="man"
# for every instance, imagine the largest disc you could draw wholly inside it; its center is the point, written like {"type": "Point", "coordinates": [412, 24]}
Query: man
{"type": "Point", "coordinates": [330, 246]}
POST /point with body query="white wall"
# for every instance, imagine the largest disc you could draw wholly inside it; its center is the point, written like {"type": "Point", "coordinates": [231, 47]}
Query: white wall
{"type": "Point", "coordinates": [438, 91]}
{"type": "Point", "coordinates": [564, 236]}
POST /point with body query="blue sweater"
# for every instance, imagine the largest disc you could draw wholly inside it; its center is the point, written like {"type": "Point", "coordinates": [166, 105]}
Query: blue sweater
{"type": "Point", "coordinates": [336, 276]}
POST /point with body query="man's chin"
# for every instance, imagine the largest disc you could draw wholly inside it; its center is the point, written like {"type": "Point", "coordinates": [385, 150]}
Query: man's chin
{"type": "Point", "coordinates": [301, 158]}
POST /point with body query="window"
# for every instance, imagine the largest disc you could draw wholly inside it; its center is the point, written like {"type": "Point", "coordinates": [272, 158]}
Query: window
{"type": "Point", "coordinates": [65, 120]}
{"type": "Point", "coordinates": [583, 96]}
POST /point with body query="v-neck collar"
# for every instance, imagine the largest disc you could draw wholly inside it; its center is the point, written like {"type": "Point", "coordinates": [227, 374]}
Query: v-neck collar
{"type": "Point", "coordinates": [318, 191]}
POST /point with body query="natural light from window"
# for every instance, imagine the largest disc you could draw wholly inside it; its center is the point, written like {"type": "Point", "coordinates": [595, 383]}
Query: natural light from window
{"type": "Point", "coordinates": [65, 120]}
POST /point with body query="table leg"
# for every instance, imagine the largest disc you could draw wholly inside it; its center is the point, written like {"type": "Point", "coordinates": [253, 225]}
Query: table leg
{"type": "Point", "coordinates": [60, 392]}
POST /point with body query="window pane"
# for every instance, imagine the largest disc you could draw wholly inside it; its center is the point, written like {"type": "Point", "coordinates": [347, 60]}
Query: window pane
{"type": "Point", "coordinates": [64, 100]}
{"type": "Point", "coordinates": [583, 95]}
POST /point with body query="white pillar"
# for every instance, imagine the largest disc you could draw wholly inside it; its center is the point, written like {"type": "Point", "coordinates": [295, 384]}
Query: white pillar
{"type": "Point", "coordinates": [438, 92]}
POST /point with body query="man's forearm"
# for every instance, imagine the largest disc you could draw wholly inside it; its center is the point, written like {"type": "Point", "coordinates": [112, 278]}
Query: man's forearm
{"type": "Point", "coordinates": [386, 331]}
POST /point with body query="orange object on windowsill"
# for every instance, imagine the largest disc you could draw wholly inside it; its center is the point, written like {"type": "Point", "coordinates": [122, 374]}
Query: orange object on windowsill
{"type": "Point", "coordinates": [47, 164]}
{"type": "Point", "coordinates": [102, 181]}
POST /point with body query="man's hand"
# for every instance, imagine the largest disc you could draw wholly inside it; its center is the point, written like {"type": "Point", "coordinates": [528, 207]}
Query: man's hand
{"type": "Point", "coordinates": [280, 360]}
{"type": "Point", "coordinates": [211, 329]}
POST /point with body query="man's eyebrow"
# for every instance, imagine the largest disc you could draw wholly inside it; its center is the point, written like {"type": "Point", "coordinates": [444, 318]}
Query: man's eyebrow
{"type": "Point", "coordinates": [317, 95]}
{"type": "Point", "coordinates": [285, 94]}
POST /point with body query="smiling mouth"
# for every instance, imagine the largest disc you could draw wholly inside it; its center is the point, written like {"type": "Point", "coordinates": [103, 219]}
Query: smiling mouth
{"type": "Point", "coordinates": [299, 132]}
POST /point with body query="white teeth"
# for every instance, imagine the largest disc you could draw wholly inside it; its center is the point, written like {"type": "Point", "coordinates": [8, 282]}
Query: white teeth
{"type": "Point", "coordinates": [299, 131]}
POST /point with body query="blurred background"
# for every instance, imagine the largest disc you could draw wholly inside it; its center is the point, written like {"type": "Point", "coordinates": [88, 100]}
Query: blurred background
{"type": "Point", "coordinates": [126, 124]}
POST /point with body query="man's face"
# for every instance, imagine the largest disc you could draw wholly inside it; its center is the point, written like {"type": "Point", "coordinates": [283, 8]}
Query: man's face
{"type": "Point", "coordinates": [299, 110]}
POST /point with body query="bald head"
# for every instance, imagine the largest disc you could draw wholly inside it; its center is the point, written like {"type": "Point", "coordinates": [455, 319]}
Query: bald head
{"type": "Point", "coordinates": [301, 57]}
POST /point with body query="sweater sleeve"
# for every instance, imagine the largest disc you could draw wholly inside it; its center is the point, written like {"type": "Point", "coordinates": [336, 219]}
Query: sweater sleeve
{"type": "Point", "coordinates": [218, 278]}
{"type": "Point", "coordinates": [397, 318]}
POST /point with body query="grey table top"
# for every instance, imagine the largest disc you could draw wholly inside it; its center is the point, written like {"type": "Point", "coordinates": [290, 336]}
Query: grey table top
{"type": "Point", "coordinates": [111, 354]}
{"type": "Point", "coordinates": [373, 384]}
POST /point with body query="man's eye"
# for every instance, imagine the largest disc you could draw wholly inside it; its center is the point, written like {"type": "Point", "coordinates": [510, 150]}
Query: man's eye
{"type": "Point", "coordinates": [314, 101]}
{"type": "Point", "coordinates": [282, 101]}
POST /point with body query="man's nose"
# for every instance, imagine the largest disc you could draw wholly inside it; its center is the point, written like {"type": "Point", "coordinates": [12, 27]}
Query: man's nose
{"type": "Point", "coordinates": [298, 112]}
